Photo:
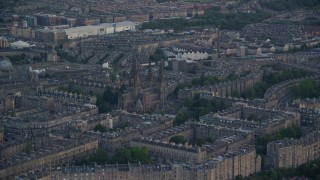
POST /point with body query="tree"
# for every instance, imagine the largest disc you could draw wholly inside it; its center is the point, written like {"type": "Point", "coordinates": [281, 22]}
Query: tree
{"type": "Point", "coordinates": [240, 177]}
{"type": "Point", "coordinates": [209, 139]}
{"type": "Point", "coordinates": [200, 107]}
{"type": "Point", "coordinates": [100, 157]}
{"type": "Point", "coordinates": [181, 117]}
{"type": "Point", "coordinates": [107, 101]}
{"type": "Point", "coordinates": [290, 5]}
{"type": "Point", "coordinates": [158, 55]}
{"type": "Point", "coordinates": [290, 132]}
{"type": "Point", "coordinates": [232, 77]}
{"type": "Point", "coordinates": [307, 88]}
{"type": "Point", "coordinates": [253, 117]}
{"type": "Point", "coordinates": [109, 96]}
{"type": "Point", "coordinates": [205, 80]}
{"type": "Point", "coordinates": [180, 86]}
{"type": "Point", "coordinates": [258, 89]}
{"type": "Point", "coordinates": [178, 139]}
{"type": "Point", "coordinates": [201, 141]}
{"type": "Point", "coordinates": [101, 128]}
{"type": "Point", "coordinates": [28, 147]}
{"type": "Point", "coordinates": [122, 88]}
{"type": "Point", "coordinates": [308, 171]}
{"type": "Point", "coordinates": [133, 155]}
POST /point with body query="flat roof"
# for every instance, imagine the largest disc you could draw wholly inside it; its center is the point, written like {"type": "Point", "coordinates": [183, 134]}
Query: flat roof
{"type": "Point", "coordinates": [81, 29]}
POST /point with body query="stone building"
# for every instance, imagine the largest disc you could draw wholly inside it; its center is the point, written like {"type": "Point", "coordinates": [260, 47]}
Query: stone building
{"type": "Point", "coordinates": [224, 89]}
{"type": "Point", "coordinates": [5, 66]}
{"type": "Point", "coordinates": [95, 82]}
{"type": "Point", "coordinates": [42, 121]}
{"type": "Point", "coordinates": [134, 126]}
{"type": "Point", "coordinates": [1, 134]}
{"type": "Point", "coordinates": [50, 36]}
{"type": "Point", "coordinates": [261, 121]}
{"type": "Point", "coordinates": [243, 161]}
{"type": "Point", "coordinates": [291, 153]}
{"type": "Point", "coordinates": [71, 97]}
{"type": "Point", "coordinates": [23, 32]}
{"type": "Point", "coordinates": [89, 123]}
{"type": "Point", "coordinates": [172, 152]}
{"type": "Point", "coordinates": [4, 43]}
{"type": "Point", "coordinates": [47, 157]}
{"type": "Point", "coordinates": [144, 97]}
{"type": "Point", "coordinates": [223, 140]}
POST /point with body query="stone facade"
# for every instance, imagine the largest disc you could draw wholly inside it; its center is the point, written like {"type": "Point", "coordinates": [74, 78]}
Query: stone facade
{"type": "Point", "coordinates": [45, 159]}
{"type": "Point", "coordinates": [224, 89]}
{"type": "Point", "coordinates": [44, 122]}
{"type": "Point", "coordinates": [266, 122]}
{"type": "Point", "coordinates": [132, 126]}
{"type": "Point", "coordinates": [243, 161]}
{"type": "Point", "coordinates": [224, 140]}
{"type": "Point", "coordinates": [290, 153]}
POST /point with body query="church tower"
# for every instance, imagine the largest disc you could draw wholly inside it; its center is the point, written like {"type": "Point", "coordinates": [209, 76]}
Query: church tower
{"type": "Point", "coordinates": [117, 81]}
{"type": "Point", "coordinates": [133, 69]}
{"type": "Point", "coordinates": [216, 53]}
{"type": "Point", "coordinates": [162, 85]}
{"type": "Point", "coordinates": [136, 75]}
{"type": "Point", "coordinates": [149, 75]}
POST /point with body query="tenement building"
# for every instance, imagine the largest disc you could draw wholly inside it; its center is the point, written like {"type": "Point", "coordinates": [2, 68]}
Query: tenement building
{"type": "Point", "coordinates": [243, 161]}
{"type": "Point", "coordinates": [224, 89]}
{"type": "Point", "coordinates": [57, 152]}
{"type": "Point", "coordinates": [222, 141]}
{"type": "Point", "coordinates": [126, 126]}
{"type": "Point", "coordinates": [290, 153]}
{"type": "Point", "coordinates": [38, 122]}
{"type": "Point", "coordinates": [261, 121]}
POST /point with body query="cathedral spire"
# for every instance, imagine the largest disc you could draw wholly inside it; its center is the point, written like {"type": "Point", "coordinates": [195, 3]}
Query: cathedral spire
{"type": "Point", "coordinates": [136, 75]}
{"type": "Point", "coordinates": [162, 85]}
{"type": "Point", "coordinates": [149, 74]}
{"type": "Point", "coordinates": [134, 66]}
{"type": "Point", "coordinates": [161, 71]}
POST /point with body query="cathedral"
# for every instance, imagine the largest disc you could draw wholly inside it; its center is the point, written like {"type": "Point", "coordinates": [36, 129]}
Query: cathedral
{"type": "Point", "coordinates": [146, 94]}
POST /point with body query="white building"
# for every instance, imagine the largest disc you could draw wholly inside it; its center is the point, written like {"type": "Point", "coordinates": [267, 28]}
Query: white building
{"type": "Point", "coordinates": [105, 65]}
{"type": "Point", "coordinates": [19, 45]}
{"type": "Point", "coordinates": [184, 54]}
{"type": "Point", "coordinates": [105, 28]}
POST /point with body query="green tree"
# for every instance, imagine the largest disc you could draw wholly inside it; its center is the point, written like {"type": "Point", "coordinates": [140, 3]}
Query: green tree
{"type": "Point", "coordinates": [28, 147]}
{"type": "Point", "coordinates": [290, 132]}
{"type": "Point", "coordinates": [133, 155]}
{"type": "Point", "coordinates": [309, 170]}
{"type": "Point", "coordinates": [200, 107]}
{"type": "Point", "coordinates": [158, 55]}
{"type": "Point", "coordinates": [240, 177]}
{"type": "Point", "coordinates": [307, 88]}
{"type": "Point", "coordinates": [258, 89]}
{"type": "Point", "coordinates": [122, 88]}
{"type": "Point", "coordinates": [232, 77]}
{"type": "Point", "coordinates": [107, 101]}
{"type": "Point", "coordinates": [205, 80]}
{"type": "Point", "coordinates": [180, 86]}
{"type": "Point", "coordinates": [289, 5]}
{"type": "Point", "coordinates": [253, 117]}
{"type": "Point", "coordinates": [178, 139]}
{"type": "Point", "coordinates": [201, 141]}
{"type": "Point", "coordinates": [100, 157]}
{"type": "Point", "coordinates": [181, 117]}
{"type": "Point", "coordinates": [101, 128]}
